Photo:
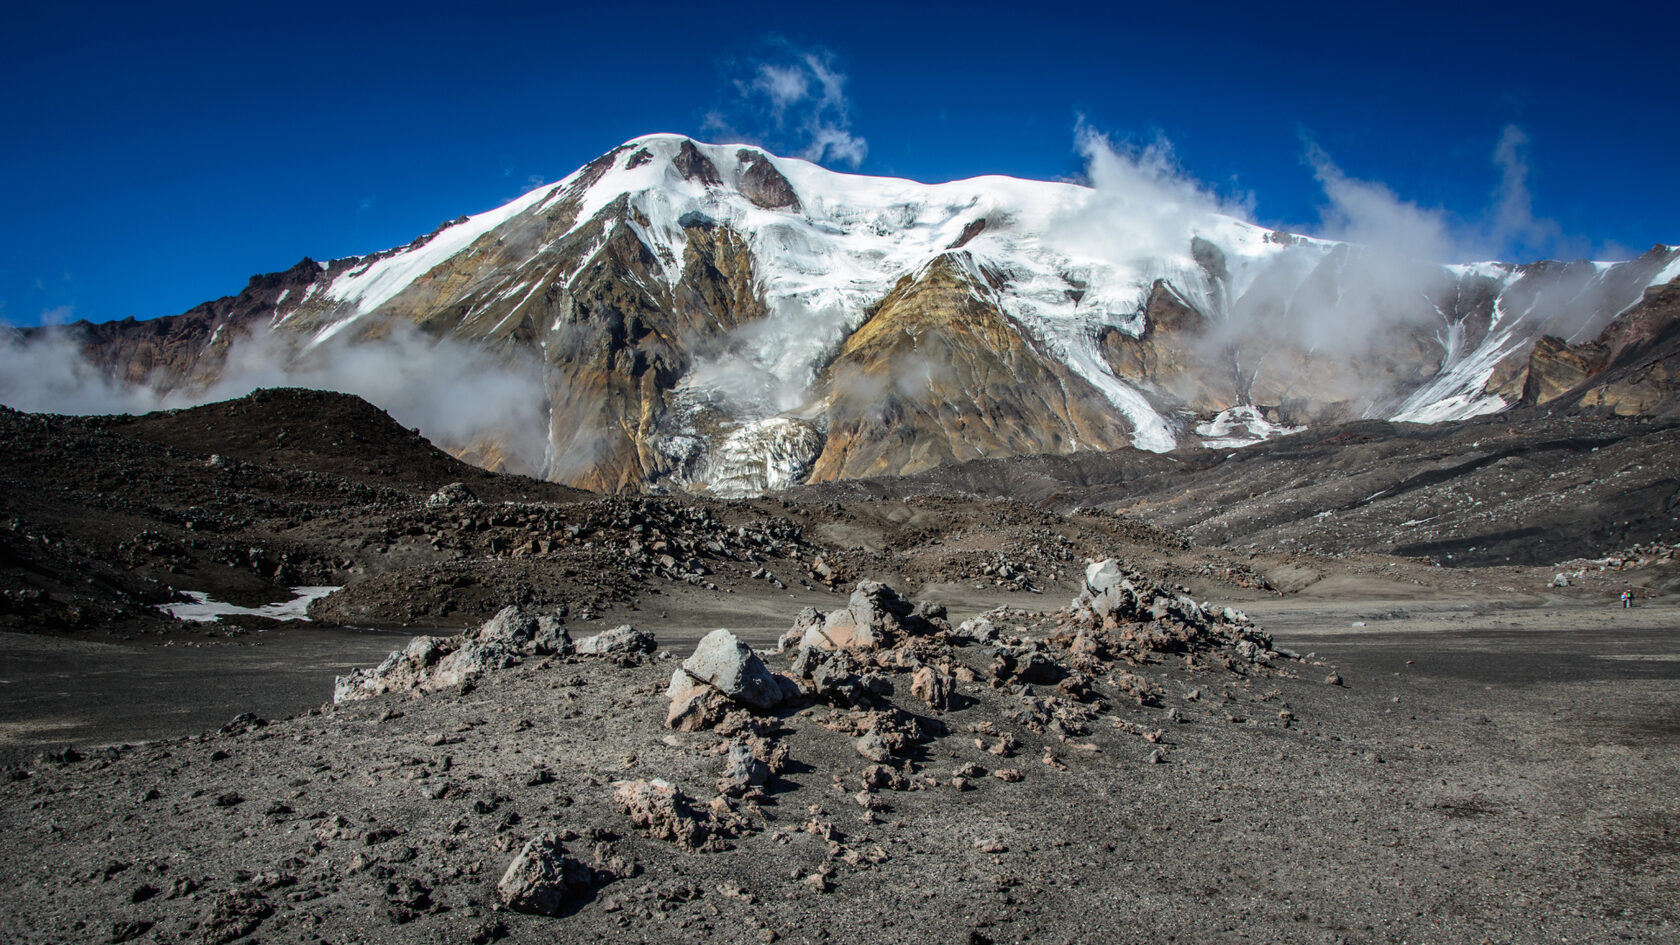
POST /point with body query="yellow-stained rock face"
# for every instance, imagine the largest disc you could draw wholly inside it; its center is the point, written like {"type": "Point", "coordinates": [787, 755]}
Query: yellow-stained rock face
{"type": "Point", "coordinates": [1632, 368]}
{"type": "Point", "coordinates": [939, 374]}
{"type": "Point", "coordinates": [1556, 367]}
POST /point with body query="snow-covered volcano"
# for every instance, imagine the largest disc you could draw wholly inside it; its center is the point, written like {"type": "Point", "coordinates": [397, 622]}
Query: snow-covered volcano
{"type": "Point", "coordinates": [713, 317]}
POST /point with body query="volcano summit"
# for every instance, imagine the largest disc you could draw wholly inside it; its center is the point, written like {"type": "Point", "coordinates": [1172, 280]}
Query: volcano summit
{"type": "Point", "coordinates": [716, 319]}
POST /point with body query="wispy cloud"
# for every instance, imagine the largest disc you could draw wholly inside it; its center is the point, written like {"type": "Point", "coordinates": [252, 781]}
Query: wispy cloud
{"type": "Point", "coordinates": [1514, 227]}
{"type": "Point", "coordinates": [792, 101]}
{"type": "Point", "coordinates": [1143, 200]}
{"type": "Point", "coordinates": [1371, 213]}
{"type": "Point", "coordinates": [454, 391]}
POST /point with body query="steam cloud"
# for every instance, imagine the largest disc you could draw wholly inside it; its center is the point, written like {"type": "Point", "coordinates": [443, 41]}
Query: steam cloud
{"type": "Point", "coordinates": [1344, 301]}
{"type": "Point", "coordinates": [454, 392]}
{"type": "Point", "coordinates": [794, 102]}
{"type": "Point", "coordinates": [1142, 202]}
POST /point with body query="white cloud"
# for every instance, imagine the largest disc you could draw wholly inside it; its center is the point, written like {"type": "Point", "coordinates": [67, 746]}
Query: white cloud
{"type": "Point", "coordinates": [793, 103]}
{"type": "Point", "coordinates": [1514, 227]}
{"type": "Point", "coordinates": [1143, 201]}
{"type": "Point", "coordinates": [453, 391]}
{"type": "Point", "coordinates": [837, 145]}
{"type": "Point", "coordinates": [1370, 214]}
{"type": "Point", "coordinates": [58, 315]}
{"type": "Point", "coordinates": [784, 86]}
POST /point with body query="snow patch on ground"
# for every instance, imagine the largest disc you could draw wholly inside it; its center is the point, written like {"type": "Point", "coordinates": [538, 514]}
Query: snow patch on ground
{"type": "Point", "coordinates": [1670, 273]}
{"type": "Point", "coordinates": [1240, 426]}
{"type": "Point", "coordinates": [204, 609]}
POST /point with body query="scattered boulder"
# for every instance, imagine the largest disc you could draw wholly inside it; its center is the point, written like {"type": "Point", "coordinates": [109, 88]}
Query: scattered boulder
{"type": "Point", "coordinates": [451, 495]}
{"type": "Point", "coordinates": [722, 661]}
{"type": "Point", "coordinates": [243, 723]}
{"type": "Point", "coordinates": [932, 688]}
{"type": "Point", "coordinates": [697, 708]}
{"type": "Point", "coordinates": [666, 813]}
{"type": "Point", "coordinates": [1026, 663]}
{"type": "Point", "coordinates": [722, 673]}
{"type": "Point", "coordinates": [430, 663]}
{"type": "Point", "coordinates": [873, 747]}
{"type": "Point", "coordinates": [620, 640]}
{"type": "Point", "coordinates": [542, 879]}
{"type": "Point", "coordinates": [977, 630]}
{"type": "Point", "coordinates": [837, 677]}
{"type": "Point", "coordinates": [743, 771]}
{"type": "Point", "coordinates": [884, 777]}
{"type": "Point", "coordinates": [808, 620]}
{"type": "Point", "coordinates": [526, 632]}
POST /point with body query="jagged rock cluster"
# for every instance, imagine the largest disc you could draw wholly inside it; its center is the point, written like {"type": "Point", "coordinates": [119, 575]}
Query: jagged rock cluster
{"type": "Point", "coordinates": [1117, 614]}
{"type": "Point", "coordinates": [888, 676]}
{"type": "Point", "coordinates": [430, 663]}
{"type": "Point", "coordinates": [858, 658]}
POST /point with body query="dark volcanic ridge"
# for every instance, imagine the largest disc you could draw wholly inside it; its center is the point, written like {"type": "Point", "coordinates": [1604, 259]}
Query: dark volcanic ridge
{"type": "Point", "coordinates": [1523, 490]}
{"type": "Point", "coordinates": [107, 517]}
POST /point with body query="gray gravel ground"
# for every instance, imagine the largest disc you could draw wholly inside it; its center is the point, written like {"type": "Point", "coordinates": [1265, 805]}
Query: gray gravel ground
{"type": "Point", "coordinates": [1511, 781]}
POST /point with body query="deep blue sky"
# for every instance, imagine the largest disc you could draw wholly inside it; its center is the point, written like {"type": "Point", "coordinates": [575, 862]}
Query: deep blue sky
{"type": "Point", "coordinates": [156, 156]}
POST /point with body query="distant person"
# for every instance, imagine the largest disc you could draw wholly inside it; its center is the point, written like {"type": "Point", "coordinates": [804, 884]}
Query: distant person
{"type": "Point", "coordinates": [1627, 599]}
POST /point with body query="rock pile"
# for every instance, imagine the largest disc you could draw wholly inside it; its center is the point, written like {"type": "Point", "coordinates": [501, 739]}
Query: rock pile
{"type": "Point", "coordinates": [432, 663]}
{"type": "Point", "coordinates": [1119, 614]}
{"type": "Point", "coordinates": [886, 675]}
{"type": "Point", "coordinates": [453, 494]}
{"type": "Point", "coordinates": [875, 617]}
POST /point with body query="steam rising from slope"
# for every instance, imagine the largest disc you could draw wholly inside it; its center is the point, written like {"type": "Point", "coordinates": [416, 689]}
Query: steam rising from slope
{"type": "Point", "coordinates": [455, 393]}
{"type": "Point", "coordinates": [1298, 315]}
{"type": "Point", "coordinates": [1142, 203]}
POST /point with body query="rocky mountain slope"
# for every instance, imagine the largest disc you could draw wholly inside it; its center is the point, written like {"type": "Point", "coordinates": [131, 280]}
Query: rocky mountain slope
{"type": "Point", "coordinates": [717, 319]}
{"type": "Point", "coordinates": [104, 519]}
{"type": "Point", "coordinates": [1489, 491]}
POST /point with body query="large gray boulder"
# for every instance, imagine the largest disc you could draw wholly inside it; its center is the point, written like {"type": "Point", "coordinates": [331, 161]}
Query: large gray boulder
{"type": "Point", "coordinates": [542, 879]}
{"type": "Point", "coordinates": [623, 639]}
{"type": "Point", "coordinates": [726, 664]}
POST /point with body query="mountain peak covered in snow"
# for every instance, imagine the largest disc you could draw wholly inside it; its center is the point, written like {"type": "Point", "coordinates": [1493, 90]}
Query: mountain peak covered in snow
{"type": "Point", "coordinates": [717, 318]}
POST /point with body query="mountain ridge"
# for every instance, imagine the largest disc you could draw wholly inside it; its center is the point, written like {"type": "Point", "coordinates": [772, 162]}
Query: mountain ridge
{"type": "Point", "coordinates": [700, 317]}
